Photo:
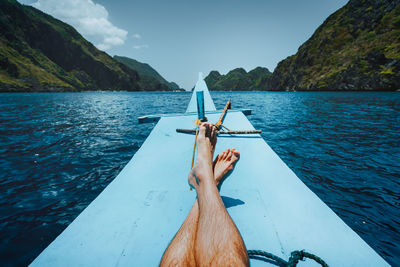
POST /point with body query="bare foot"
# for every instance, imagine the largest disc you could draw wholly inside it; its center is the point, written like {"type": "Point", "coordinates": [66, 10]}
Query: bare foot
{"type": "Point", "coordinates": [224, 163]}
{"type": "Point", "coordinates": [202, 171]}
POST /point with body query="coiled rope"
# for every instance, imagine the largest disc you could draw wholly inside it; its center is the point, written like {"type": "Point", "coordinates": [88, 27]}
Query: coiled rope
{"type": "Point", "coordinates": [295, 257]}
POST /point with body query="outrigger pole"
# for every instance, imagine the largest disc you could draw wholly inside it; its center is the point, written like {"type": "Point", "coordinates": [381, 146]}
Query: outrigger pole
{"type": "Point", "coordinates": [190, 131]}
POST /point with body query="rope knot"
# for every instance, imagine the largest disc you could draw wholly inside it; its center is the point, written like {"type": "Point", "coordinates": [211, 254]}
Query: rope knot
{"type": "Point", "coordinates": [298, 254]}
{"type": "Point", "coordinates": [295, 257]}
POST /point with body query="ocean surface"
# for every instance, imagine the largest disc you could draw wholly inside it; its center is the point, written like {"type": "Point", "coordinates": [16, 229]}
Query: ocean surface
{"type": "Point", "coordinates": [58, 151]}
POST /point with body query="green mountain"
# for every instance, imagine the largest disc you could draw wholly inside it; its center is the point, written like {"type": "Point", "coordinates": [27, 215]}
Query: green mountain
{"type": "Point", "coordinates": [239, 80]}
{"type": "Point", "coordinates": [41, 53]}
{"type": "Point", "coordinates": [146, 72]}
{"type": "Point", "coordinates": [356, 48]}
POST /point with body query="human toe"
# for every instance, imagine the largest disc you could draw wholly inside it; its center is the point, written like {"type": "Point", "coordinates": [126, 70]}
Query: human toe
{"type": "Point", "coordinates": [225, 153]}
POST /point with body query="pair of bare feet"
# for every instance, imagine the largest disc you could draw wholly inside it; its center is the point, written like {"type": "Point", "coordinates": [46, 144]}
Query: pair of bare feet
{"type": "Point", "coordinates": [208, 236]}
{"type": "Point", "coordinates": [223, 163]}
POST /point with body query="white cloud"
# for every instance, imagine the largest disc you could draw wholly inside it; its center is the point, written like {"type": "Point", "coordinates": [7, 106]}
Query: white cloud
{"type": "Point", "coordinates": [140, 46]}
{"type": "Point", "coordinates": [88, 18]}
{"type": "Point", "coordinates": [137, 36]}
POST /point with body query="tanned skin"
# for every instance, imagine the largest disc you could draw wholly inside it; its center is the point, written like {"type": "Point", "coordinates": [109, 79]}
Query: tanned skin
{"type": "Point", "coordinates": [208, 236]}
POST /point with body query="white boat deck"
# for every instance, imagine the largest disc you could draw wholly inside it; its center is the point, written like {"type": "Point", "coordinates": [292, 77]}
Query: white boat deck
{"type": "Point", "coordinates": [132, 221]}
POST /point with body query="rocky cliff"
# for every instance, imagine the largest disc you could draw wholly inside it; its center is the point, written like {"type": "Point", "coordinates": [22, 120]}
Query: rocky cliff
{"type": "Point", "coordinates": [356, 48]}
{"type": "Point", "coordinates": [239, 80]}
{"type": "Point", "coordinates": [41, 53]}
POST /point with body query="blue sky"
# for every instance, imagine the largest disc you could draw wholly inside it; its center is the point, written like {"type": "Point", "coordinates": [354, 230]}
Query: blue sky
{"type": "Point", "coordinates": [180, 38]}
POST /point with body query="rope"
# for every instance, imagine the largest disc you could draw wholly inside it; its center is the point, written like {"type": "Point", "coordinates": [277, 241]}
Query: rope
{"type": "Point", "coordinates": [279, 261]}
{"type": "Point", "coordinates": [295, 257]}
{"type": "Point", "coordinates": [194, 147]}
{"type": "Point", "coordinates": [223, 126]}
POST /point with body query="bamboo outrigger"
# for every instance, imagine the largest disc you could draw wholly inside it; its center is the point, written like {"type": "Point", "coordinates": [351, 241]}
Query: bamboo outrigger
{"type": "Point", "coordinates": [133, 220]}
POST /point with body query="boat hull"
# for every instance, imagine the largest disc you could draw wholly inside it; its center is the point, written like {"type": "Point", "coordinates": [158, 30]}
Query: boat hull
{"type": "Point", "coordinates": [133, 220]}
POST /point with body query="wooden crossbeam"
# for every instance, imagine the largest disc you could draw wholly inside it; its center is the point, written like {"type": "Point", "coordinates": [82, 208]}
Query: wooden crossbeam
{"type": "Point", "coordinates": [191, 131]}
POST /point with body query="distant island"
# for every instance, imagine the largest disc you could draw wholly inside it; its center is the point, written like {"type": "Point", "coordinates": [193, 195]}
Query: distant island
{"type": "Point", "coordinates": [357, 48]}
{"type": "Point", "coordinates": [239, 80]}
{"type": "Point", "coordinates": [41, 53]}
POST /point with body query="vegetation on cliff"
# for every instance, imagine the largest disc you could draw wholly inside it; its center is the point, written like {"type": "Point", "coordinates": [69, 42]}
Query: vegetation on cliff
{"type": "Point", "coordinates": [239, 80]}
{"type": "Point", "coordinates": [148, 76]}
{"type": "Point", "coordinates": [41, 53]}
{"type": "Point", "coordinates": [356, 48]}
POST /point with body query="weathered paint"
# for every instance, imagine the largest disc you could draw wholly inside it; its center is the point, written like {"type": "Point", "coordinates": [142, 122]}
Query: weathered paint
{"type": "Point", "coordinates": [132, 221]}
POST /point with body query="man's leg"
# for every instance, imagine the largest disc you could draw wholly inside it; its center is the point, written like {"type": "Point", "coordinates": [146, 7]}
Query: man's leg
{"type": "Point", "coordinates": [180, 251]}
{"type": "Point", "coordinates": [218, 241]}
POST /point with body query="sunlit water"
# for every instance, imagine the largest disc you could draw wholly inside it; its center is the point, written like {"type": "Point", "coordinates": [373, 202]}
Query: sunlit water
{"type": "Point", "coordinates": [59, 151]}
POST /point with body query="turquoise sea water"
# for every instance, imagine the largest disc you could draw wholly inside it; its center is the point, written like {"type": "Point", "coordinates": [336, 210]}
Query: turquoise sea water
{"type": "Point", "coordinates": [59, 151]}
